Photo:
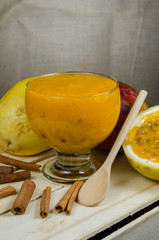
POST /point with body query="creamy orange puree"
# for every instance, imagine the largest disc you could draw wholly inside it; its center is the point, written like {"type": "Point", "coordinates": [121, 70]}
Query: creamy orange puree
{"type": "Point", "coordinates": [73, 112]}
{"type": "Point", "coordinates": [74, 85]}
{"type": "Point", "coordinates": [145, 139]}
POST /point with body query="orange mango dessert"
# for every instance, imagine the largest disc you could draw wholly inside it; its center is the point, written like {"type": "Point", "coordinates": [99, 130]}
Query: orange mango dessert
{"type": "Point", "coordinates": [73, 112]}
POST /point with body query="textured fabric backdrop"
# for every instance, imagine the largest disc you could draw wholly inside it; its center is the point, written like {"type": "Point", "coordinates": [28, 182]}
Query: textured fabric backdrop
{"type": "Point", "coordinates": [115, 37]}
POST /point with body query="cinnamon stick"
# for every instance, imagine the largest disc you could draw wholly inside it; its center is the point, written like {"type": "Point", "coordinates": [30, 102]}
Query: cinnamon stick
{"type": "Point", "coordinates": [45, 202]}
{"type": "Point", "coordinates": [6, 170]}
{"type": "Point", "coordinates": [6, 191]}
{"type": "Point", "coordinates": [22, 200]}
{"type": "Point", "coordinates": [73, 197]}
{"type": "Point", "coordinates": [61, 205]}
{"type": "Point", "coordinates": [20, 164]}
{"type": "Point", "coordinates": [15, 177]}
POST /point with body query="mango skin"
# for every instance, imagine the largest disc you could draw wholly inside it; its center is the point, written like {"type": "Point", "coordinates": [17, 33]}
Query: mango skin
{"type": "Point", "coordinates": [128, 97]}
{"type": "Point", "coordinates": [16, 135]}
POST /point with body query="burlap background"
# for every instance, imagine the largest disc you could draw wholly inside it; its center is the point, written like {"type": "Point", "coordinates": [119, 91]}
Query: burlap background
{"type": "Point", "coordinates": [116, 37]}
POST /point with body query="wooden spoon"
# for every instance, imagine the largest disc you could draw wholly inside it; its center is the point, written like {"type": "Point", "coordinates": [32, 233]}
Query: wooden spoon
{"type": "Point", "coordinates": [95, 188]}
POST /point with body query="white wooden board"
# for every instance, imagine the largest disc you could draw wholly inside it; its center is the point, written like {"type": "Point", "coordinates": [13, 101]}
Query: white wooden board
{"type": "Point", "coordinates": [129, 191]}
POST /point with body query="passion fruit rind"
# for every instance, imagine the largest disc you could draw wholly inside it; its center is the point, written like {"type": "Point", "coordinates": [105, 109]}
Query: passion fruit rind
{"type": "Point", "coordinates": [139, 120]}
{"type": "Point", "coordinates": [147, 168]}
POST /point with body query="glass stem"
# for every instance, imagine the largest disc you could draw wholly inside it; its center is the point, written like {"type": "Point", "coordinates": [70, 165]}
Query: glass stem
{"type": "Point", "coordinates": [72, 160]}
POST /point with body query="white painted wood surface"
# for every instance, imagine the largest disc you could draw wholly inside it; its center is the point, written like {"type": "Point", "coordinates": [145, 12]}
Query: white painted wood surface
{"type": "Point", "coordinates": [129, 191]}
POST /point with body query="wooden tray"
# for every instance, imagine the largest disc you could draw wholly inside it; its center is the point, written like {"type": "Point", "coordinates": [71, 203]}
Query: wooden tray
{"type": "Point", "coordinates": [129, 191]}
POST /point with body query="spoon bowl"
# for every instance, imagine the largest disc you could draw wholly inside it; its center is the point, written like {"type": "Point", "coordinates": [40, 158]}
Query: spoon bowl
{"type": "Point", "coordinates": [95, 188]}
{"type": "Point", "coordinates": [86, 195]}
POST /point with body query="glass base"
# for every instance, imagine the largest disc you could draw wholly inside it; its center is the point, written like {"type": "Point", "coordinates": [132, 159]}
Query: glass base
{"type": "Point", "coordinates": [68, 168]}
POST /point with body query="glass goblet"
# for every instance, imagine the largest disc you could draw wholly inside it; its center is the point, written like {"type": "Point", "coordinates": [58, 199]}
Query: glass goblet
{"type": "Point", "coordinates": [72, 112]}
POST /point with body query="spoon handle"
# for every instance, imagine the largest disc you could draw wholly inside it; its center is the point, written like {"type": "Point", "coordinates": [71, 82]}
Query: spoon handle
{"type": "Point", "coordinates": [123, 132]}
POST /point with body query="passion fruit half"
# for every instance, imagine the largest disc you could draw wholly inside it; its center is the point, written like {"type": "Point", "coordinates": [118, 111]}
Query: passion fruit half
{"type": "Point", "coordinates": [141, 145]}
